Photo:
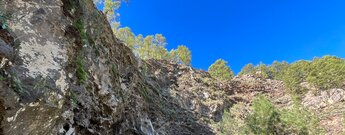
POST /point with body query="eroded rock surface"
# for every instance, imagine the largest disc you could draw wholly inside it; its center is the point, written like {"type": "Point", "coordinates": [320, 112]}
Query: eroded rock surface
{"type": "Point", "coordinates": [63, 72]}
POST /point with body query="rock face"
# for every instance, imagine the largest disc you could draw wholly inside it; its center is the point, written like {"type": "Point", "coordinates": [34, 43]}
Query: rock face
{"type": "Point", "coordinates": [330, 106]}
{"type": "Point", "coordinates": [63, 72]}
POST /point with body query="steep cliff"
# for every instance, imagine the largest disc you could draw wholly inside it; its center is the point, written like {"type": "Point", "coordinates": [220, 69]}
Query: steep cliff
{"type": "Point", "coordinates": [62, 71]}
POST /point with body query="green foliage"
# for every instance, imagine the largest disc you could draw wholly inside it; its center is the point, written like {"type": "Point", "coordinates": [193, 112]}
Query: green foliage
{"type": "Point", "coordinates": [73, 97]}
{"type": "Point", "coordinates": [220, 70]}
{"type": "Point", "coordinates": [228, 124]}
{"type": "Point", "coordinates": [295, 75]}
{"type": "Point", "coordinates": [327, 72]}
{"type": "Point", "coordinates": [173, 56]}
{"type": "Point", "coordinates": [4, 17]}
{"type": "Point", "coordinates": [299, 120]}
{"type": "Point", "coordinates": [265, 118]}
{"type": "Point", "coordinates": [2, 78]}
{"type": "Point", "coordinates": [17, 84]}
{"type": "Point", "coordinates": [277, 69]}
{"type": "Point", "coordinates": [149, 47]}
{"type": "Point", "coordinates": [247, 69]}
{"type": "Point", "coordinates": [274, 71]}
{"type": "Point", "coordinates": [232, 123]}
{"type": "Point", "coordinates": [80, 70]}
{"type": "Point", "coordinates": [152, 47]}
{"type": "Point", "coordinates": [115, 27]}
{"type": "Point", "coordinates": [144, 92]}
{"type": "Point", "coordinates": [110, 8]}
{"type": "Point", "coordinates": [125, 34]}
{"type": "Point", "coordinates": [144, 50]}
{"type": "Point", "coordinates": [184, 54]}
{"type": "Point", "coordinates": [324, 73]}
{"type": "Point", "coordinates": [79, 25]}
{"type": "Point", "coordinates": [262, 70]}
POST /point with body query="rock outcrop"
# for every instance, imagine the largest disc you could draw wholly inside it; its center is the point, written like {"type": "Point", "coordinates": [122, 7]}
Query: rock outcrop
{"type": "Point", "coordinates": [62, 71]}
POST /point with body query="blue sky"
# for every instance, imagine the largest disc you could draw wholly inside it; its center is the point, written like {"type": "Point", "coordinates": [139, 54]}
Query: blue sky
{"type": "Point", "coordinates": [243, 31]}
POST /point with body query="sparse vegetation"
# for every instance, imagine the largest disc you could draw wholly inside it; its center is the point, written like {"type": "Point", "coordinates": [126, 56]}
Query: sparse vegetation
{"type": "Point", "coordinates": [184, 55]}
{"type": "Point", "coordinates": [80, 70]}
{"type": "Point", "coordinates": [4, 20]}
{"type": "Point", "coordinates": [247, 69]}
{"type": "Point", "coordinates": [2, 78]}
{"type": "Point", "coordinates": [79, 24]}
{"type": "Point", "coordinates": [144, 93]}
{"type": "Point", "coordinates": [73, 98]}
{"type": "Point", "coordinates": [114, 70]}
{"type": "Point", "coordinates": [233, 121]}
{"type": "Point", "coordinates": [17, 85]}
{"type": "Point", "coordinates": [323, 73]}
{"type": "Point", "coordinates": [5, 17]}
{"type": "Point", "coordinates": [265, 118]}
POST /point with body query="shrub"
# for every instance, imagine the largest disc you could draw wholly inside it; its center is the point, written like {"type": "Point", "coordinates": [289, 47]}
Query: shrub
{"type": "Point", "coordinates": [220, 70]}
{"type": "Point", "coordinates": [262, 70]}
{"type": "Point", "coordinates": [233, 120]}
{"type": "Point", "coordinates": [277, 69]}
{"type": "Point", "coordinates": [265, 118]}
{"type": "Point", "coordinates": [80, 26]}
{"type": "Point", "coordinates": [294, 75]}
{"type": "Point", "coordinates": [81, 73]}
{"type": "Point", "coordinates": [327, 72]}
{"type": "Point", "coordinates": [184, 54]}
{"type": "Point", "coordinates": [300, 120]}
{"type": "Point", "coordinates": [247, 70]}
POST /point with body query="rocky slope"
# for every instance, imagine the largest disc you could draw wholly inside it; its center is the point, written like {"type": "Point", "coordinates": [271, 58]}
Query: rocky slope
{"type": "Point", "coordinates": [63, 72]}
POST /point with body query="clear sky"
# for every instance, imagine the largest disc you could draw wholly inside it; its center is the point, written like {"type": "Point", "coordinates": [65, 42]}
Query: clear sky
{"type": "Point", "coordinates": [243, 31]}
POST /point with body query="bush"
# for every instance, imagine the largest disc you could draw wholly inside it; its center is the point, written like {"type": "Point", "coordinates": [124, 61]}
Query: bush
{"type": "Point", "coordinates": [80, 70]}
{"type": "Point", "coordinates": [294, 75]}
{"type": "Point", "coordinates": [274, 71]}
{"type": "Point", "coordinates": [299, 120]}
{"type": "Point", "coordinates": [324, 73]}
{"type": "Point", "coordinates": [220, 70]}
{"type": "Point", "coordinates": [247, 70]}
{"type": "Point", "coordinates": [327, 72]}
{"type": "Point", "coordinates": [265, 118]}
{"type": "Point", "coordinates": [277, 69]}
{"type": "Point", "coordinates": [184, 54]}
{"type": "Point", "coordinates": [233, 120]}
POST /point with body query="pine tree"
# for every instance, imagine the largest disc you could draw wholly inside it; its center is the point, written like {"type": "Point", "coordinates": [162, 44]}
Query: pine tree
{"type": "Point", "coordinates": [184, 55]}
{"type": "Point", "coordinates": [126, 35]}
{"type": "Point", "coordinates": [220, 70]}
{"type": "Point", "coordinates": [247, 69]}
{"type": "Point", "coordinates": [327, 72]}
{"type": "Point", "coordinates": [277, 69]}
{"type": "Point", "coordinates": [172, 56]}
